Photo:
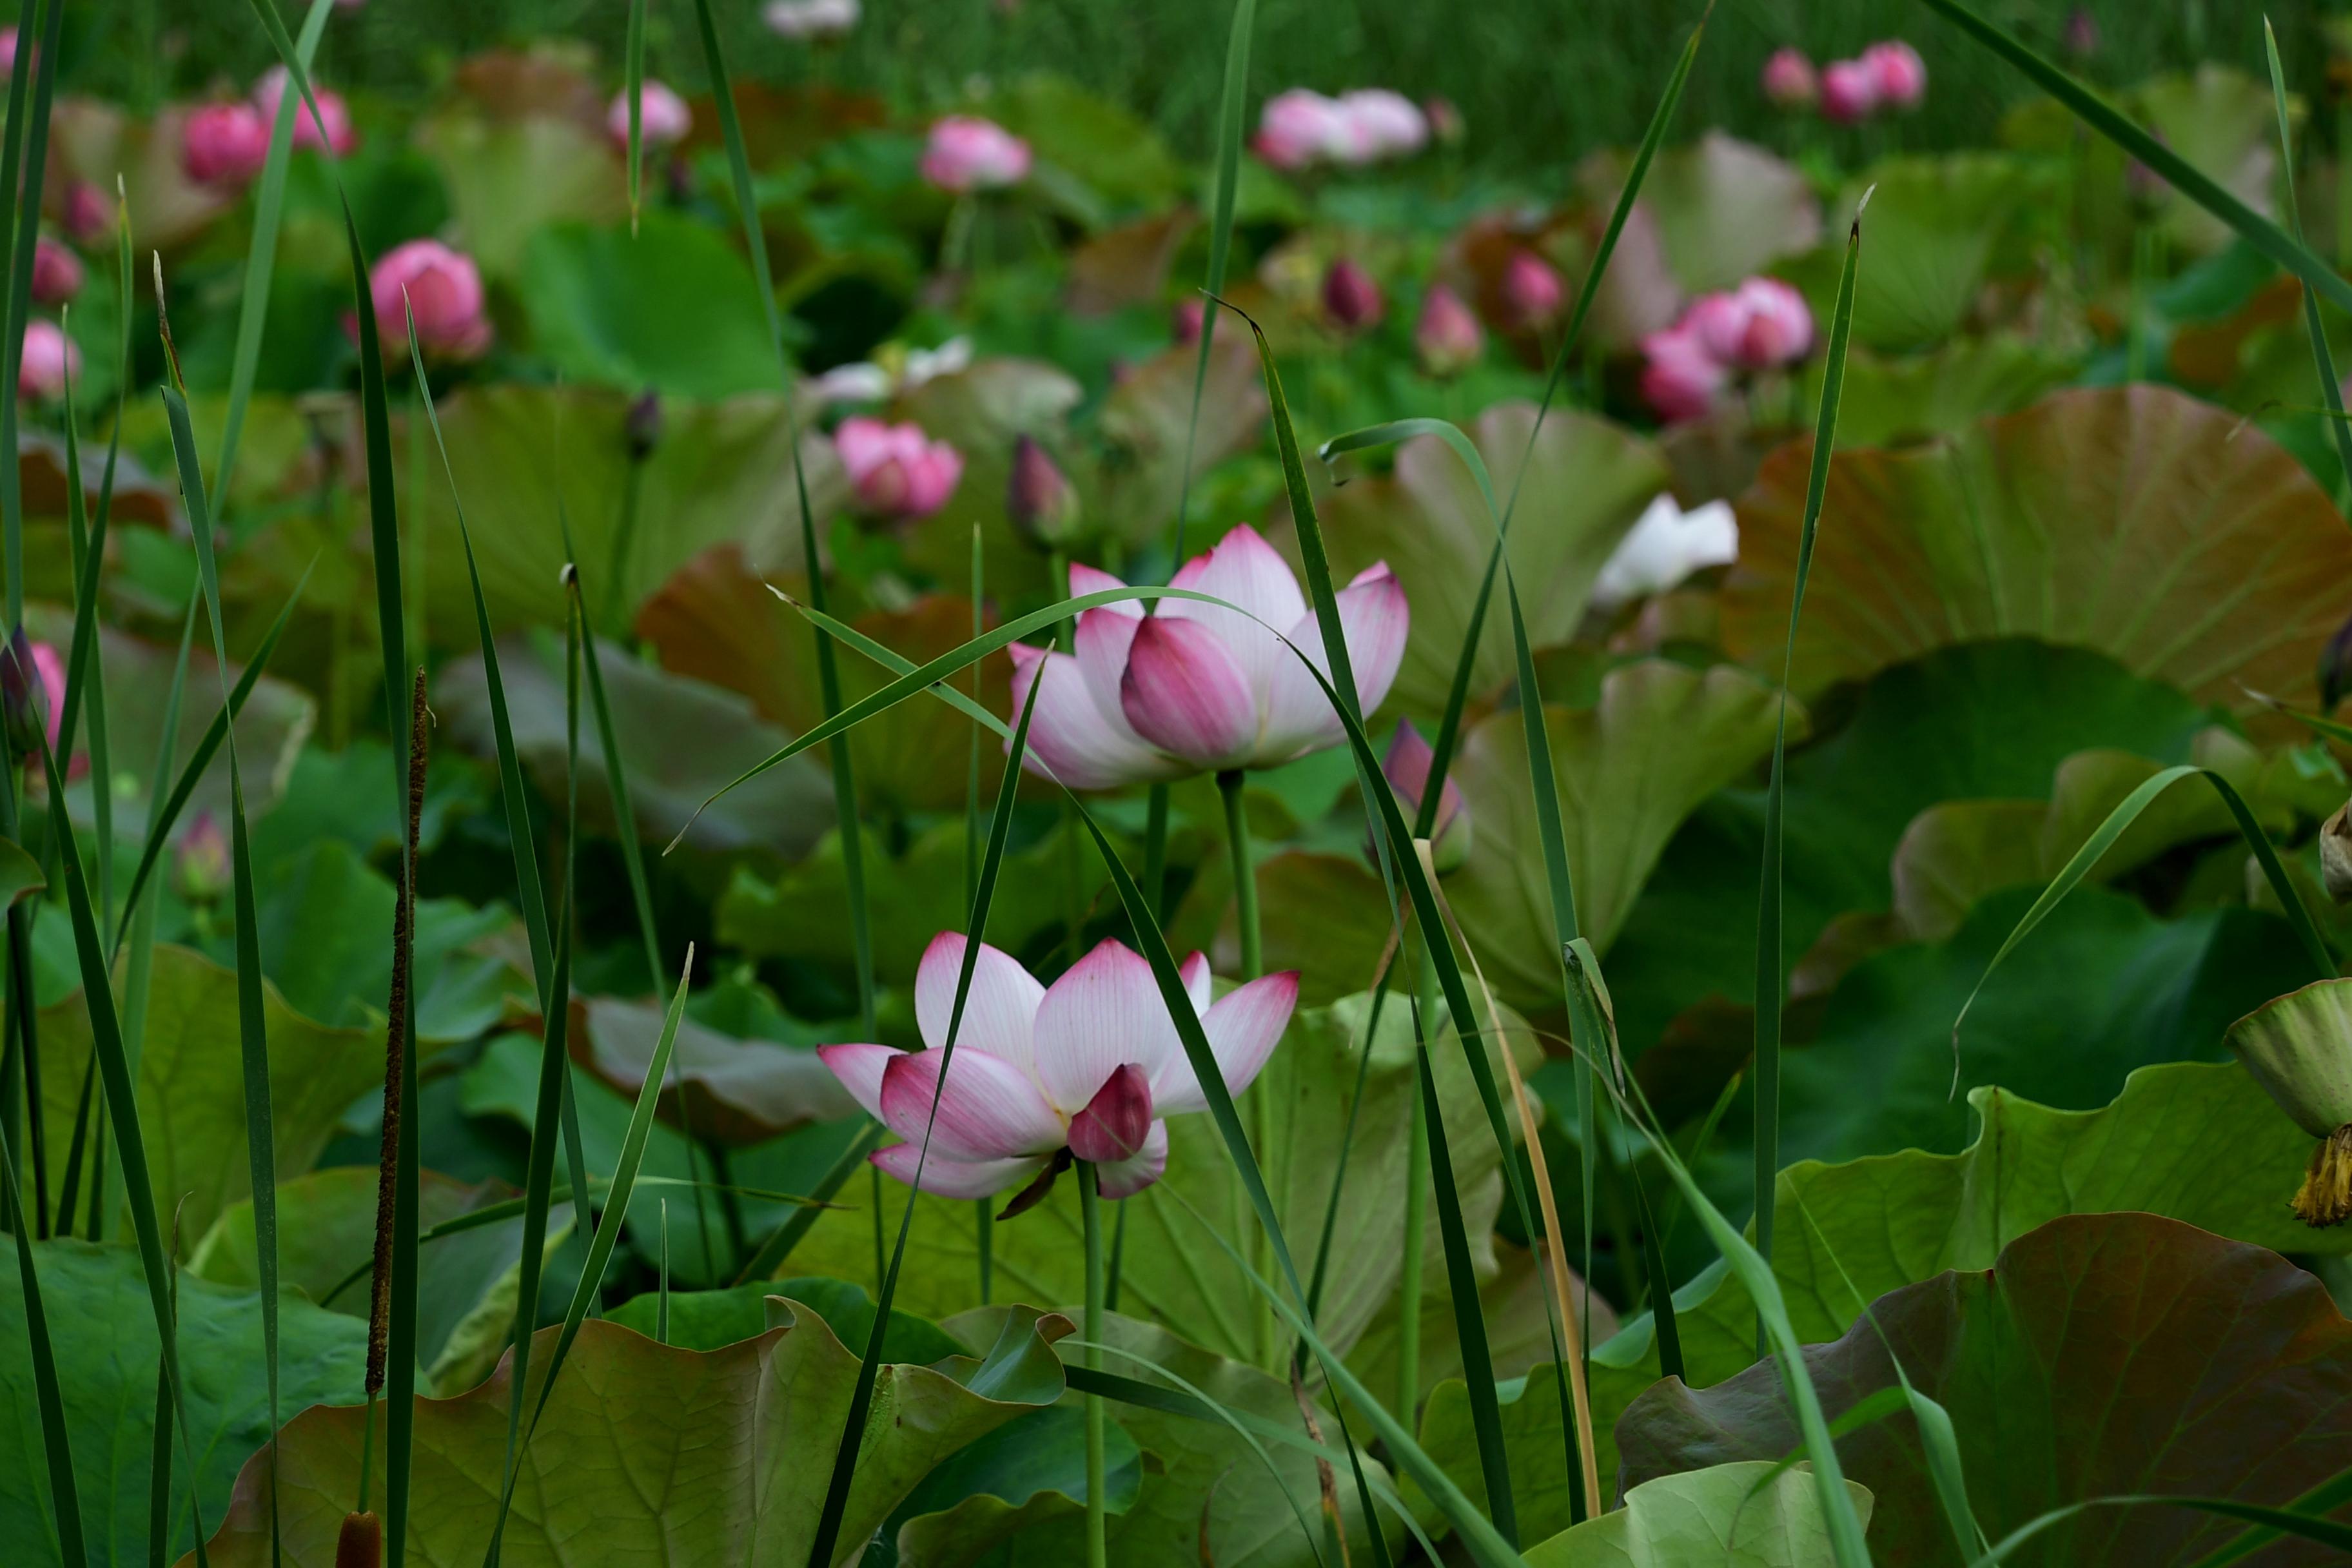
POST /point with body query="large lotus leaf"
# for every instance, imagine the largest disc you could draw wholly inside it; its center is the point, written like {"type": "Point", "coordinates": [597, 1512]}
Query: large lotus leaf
{"type": "Point", "coordinates": [649, 1451]}
{"type": "Point", "coordinates": [1663, 737]}
{"type": "Point", "coordinates": [1935, 228]}
{"type": "Point", "coordinates": [137, 496]}
{"type": "Point", "coordinates": [509, 179]}
{"type": "Point", "coordinates": [1739, 1516]}
{"type": "Point", "coordinates": [1588, 481]}
{"type": "Point", "coordinates": [2222, 120]}
{"type": "Point", "coordinates": [2130, 520]}
{"type": "Point", "coordinates": [190, 1084]}
{"type": "Point", "coordinates": [271, 728]}
{"type": "Point", "coordinates": [1119, 158]}
{"type": "Point", "coordinates": [102, 1335]}
{"type": "Point", "coordinates": [2101, 1354]}
{"type": "Point", "coordinates": [1014, 1482]}
{"type": "Point", "coordinates": [1172, 1272]}
{"type": "Point", "coordinates": [707, 1320]}
{"type": "Point", "coordinates": [326, 1229]}
{"type": "Point", "coordinates": [1325, 915]}
{"type": "Point", "coordinates": [1203, 1497]}
{"type": "Point", "coordinates": [717, 621]}
{"type": "Point", "coordinates": [671, 308]}
{"type": "Point", "coordinates": [1852, 1232]}
{"type": "Point", "coordinates": [1133, 485]}
{"type": "Point", "coordinates": [95, 142]}
{"type": "Point", "coordinates": [1900, 400]}
{"type": "Point", "coordinates": [1127, 266]}
{"type": "Point", "coordinates": [720, 472]}
{"type": "Point", "coordinates": [914, 895]}
{"type": "Point", "coordinates": [1724, 208]}
{"type": "Point", "coordinates": [733, 1092]}
{"type": "Point", "coordinates": [683, 741]}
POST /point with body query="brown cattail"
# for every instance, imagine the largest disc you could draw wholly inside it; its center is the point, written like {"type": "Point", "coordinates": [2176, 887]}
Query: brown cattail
{"type": "Point", "coordinates": [361, 1544]}
{"type": "Point", "coordinates": [396, 1067]}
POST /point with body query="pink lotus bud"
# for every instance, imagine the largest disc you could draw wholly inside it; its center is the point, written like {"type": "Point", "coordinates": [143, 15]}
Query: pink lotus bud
{"type": "Point", "coordinates": [444, 290]}
{"type": "Point", "coordinates": [1185, 321]}
{"type": "Point", "coordinates": [1406, 767]}
{"type": "Point", "coordinates": [89, 212]}
{"type": "Point", "coordinates": [641, 427]}
{"type": "Point", "coordinates": [32, 694]}
{"type": "Point", "coordinates": [1447, 337]}
{"type": "Point", "coordinates": [1849, 91]}
{"type": "Point", "coordinates": [1532, 291]}
{"type": "Point", "coordinates": [1301, 127]}
{"type": "Point", "coordinates": [1114, 1123]}
{"type": "Point", "coordinates": [1383, 124]}
{"type": "Point", "coordinates": [810, 19]}
{"type": "Point", "coordinates": [47, 358]}
{"type": "Point", "coordinates": [968, 153]}
{"type": "Point", "coordinates": [225, 145]}
{"type": "Point", "coordinates": [2082, 33]}
{"type": "Point", "coordinates": [663, 117]}
{"type": "Point", "coordinates": [1901, 73]}
{"type": "Point", "coordinates": [330, 128]}
{"type": "Point", "coordinates": [1790, 80]}
{"type": "Point", "coordinates": [1351, 298]}
{"type": "Point", "coordinates": [897, 472]}
{"type": "Point", "coordinates": [7, 49]}
{"type": "Point", "coordinates": [1446, 126]}
{"type": "Point", "coordinates": [1760, 325]}
{"type": "Point", "coordinates": [1681, 380]}
{"type": "Point", "coordinates": [200, 867]}
{"type": "Point", "coordinates": [1043, 505]}
{"type": "Point", "coordinates": [56, 272]}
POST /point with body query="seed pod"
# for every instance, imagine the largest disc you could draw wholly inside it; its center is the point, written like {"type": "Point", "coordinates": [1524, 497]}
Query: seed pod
{"type": "Point", "coordinates": [361, 1544]}
{"type": "Point", "coordinates": [2299, 1047]}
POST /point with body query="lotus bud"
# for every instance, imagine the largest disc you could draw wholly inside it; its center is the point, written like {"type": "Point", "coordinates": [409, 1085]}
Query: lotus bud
{"type": "Point", "coordinates": [1900, 73]}
{"type": "Point", "coordinates": [1446, 126]}
{"type": "Point", "coordinates": [224, 145]}
{"type": "Point", "coordinates": [1532, 291]}
{"type": "Point", "coordinates": [1790, 80]}
{"type": "Point", "coordinates": [88, 212]}
{"type": "Point", "coordinates": [1042, 504]}
{"type": "Point", "coordinates": [663, 117]}
{"type": "Point", "coordinates": [1447, 336]}
{"type": "Point", "coordinates": [1849, 91]}
{"type": "Point", "coordinates": [2299, 1047]}
{"type": "Point", "coordinates": [200, 868]}
{"type": "Point", "coordinates": [643, 427]}
{"type": "Point", "coordinates": [2082, 33]}
{"type": "Point", "coordinates": [1406, 767]}
{"type": "Point", "coordinates": [1184, 322]}
{"type": "Point", "coordinates": [28, 706]}
{"type": "Point", "coordinates": [361, 1543]}
{"type": "Point", "coordinates": [2336, 854]}
{"type": "Point", "coordinates": [56, 272]}
{"type": "Point", "coordinates": [45, 361]}
{"type": "Point", "coordinates": [1351, 298]}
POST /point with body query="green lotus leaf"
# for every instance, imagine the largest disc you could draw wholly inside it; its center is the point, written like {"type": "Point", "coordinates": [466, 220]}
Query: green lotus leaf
{"type": "Point", "coordinates": [647, 1450]}
{"type": "Point", "coordinates": [1119, 159]}
{"type": "Point", "coordinates": [1180, 1277]}
{"type": "Point", "coordinates": [511, 177]}
{"type": "Point", "coordinates": [101, 1327]}
{"type": "Point", "coordinates": [1899, 400]}
{"type": "Point", "coordinates": [1740, 1515]}
{"type": "Point", "coordinates": [2101, 1354]}
{"type": "Point", "coordinates": [1018, 1479]}
{"type": "Point", "coordinates": [96, 142]}
{"type": "Point", "coordinates": [1663, 737]}
{"type": "Point", "coordinates": [1588, 481]}
{"type": "Point", "coordinates": [2129, 519]}
{"type": "Point", "coordinates": [734, 1092]}
{"type": "Point", "coordinates": [192, 1084]}
{"type": "Point", "coordinates": [1724, 208]}
{"type": "Point", "coordinates": [667, 305]}
{"type": "Point", "coordinates": [707, 1320]}
{"type": "Point", "coordinates": [1133, 482]}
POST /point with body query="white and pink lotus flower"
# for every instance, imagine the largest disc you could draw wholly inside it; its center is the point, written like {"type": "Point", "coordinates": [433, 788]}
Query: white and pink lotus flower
{"type": "Point", "coordinates": [1301, 127]}
{"type": "Point", "coordinates": [1762, 325]}
{"type": "Point", "coordinates": [1196, 688]}
{"type": "Point", "coordinates": [1088, 1068]}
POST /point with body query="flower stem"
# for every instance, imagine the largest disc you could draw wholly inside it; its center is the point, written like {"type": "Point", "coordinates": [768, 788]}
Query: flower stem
{"type": "Point", "coordinates": [1229, 784]}
{"type": "Point", "coordinates": [1090, 1207]}
{"type": "Point", "coordinates": [1416, 1223]}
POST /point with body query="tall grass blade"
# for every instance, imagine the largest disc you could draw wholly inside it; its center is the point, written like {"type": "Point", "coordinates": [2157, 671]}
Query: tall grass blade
{"type": "Point", "coordinates": [1771, 962]}
{"type": "Point", "coordinates": [769, 1259]}
{"type": "Point", "coordinates": [2323, 359]}
{"type": "Point", "coordinates": [33, 124]}
{"type": "Point", "coordinates": [1233, 105]}
{"type": "Point", "coordinates": [2321, 1500]}
{"type": "Point", "coordinates": [2279, 1521]}
{"type": "Point", "coordinates": [633, 89]}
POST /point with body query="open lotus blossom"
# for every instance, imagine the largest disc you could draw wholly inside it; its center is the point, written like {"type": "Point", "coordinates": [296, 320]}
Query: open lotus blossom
{"type": "Point", "coordinates": [1197, 688]}
{"type": "Point", "coordinates": [1666, 545]}
{"type": "Point", "coordinates": [663, 117]}
{"type": "Point", "coordinates": [809, 18]}
{"type": "Point", "coordinates": [1301, 127]}
{"type": "Point", "coordinates": [1387, 124]}
{"type": "Point", "coordinates": [892, 373]}
{"type": "Point", "coordinates": [1790, 80]}
{"type": "Point", "coordinates": [1087, 1069]}
{"type": "Point", "coordinates": [224, 144]}
{"type": "Point", "coordinates": [897, 472]}
{"type": "Point", "coordinates": [443, 288]}
{"type": "Point", "coordinates": [330, 127]}
{"type": "Point", "coordinates": [56, 272]}
{"type": "Point", "coordinates": [44, 362]}
{"type": "Point", "coordinates": [1849, 91]}
{"type": "Point", "coordinates": [1761, 324]}
{"type": "Point", "coordinates": [1900, 74]}
{"type": "Point", "coordinates": [1447, 337]}
{"type": "Point", "coordinates": [966, 152]}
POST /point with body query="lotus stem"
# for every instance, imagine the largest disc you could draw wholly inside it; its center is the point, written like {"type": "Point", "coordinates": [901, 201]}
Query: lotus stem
{"type": "Point", "coordinates": [1416, 1226]}
{"type": "Point", "coordinates": [1237, 843]}
{"type": "Point", "coordinates": [1090, 1208]}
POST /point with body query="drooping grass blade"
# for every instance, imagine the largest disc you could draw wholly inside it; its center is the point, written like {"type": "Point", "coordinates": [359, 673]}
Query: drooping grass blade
{"type": "Point", "coordinates": [2331, 390]}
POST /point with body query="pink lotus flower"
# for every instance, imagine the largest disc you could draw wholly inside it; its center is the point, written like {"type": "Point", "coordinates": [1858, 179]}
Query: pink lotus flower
{"type": "Point", "coordinates": [1406, 767]}
{"type": "Point", "coordinates": [1680, 378]}
{"type": "Point", "coordinates": [810, 19]}
{"type": "Point", "coordinates": [1900, 74]}
{"type": "Point", "coordinates": [88, 212]}
{"type": "Point", "coordinates": [1532, 291]}
{"type": "Point", "coordinates": [200, 868]}
{"type": "Point", "coordinates": [225, 145]}
{"type": "Point", "coordinates": [1197, 688]}
{"type": "Point", "coordinates": [1087, 1069]}
{"type": "Point", "coordinates": [1384, 125]}
{"type": "Point", "coordinates": [32, 695]}
{"type": "Point", "coordinates": [900, 474]}
{"type": "Point", "coordinates": [1849, 91]}
{"type": "Point", "coordinates": [443, 287]}
{"type": "Point", "coordinates": [47, 359]}
{"type": "Point", "coordinates": [56, 272]}
{"type": "Point", "coordinates": [1448, 336]}
{"type": "Point", "coordinates": [1761, 324]}
{"type": "Point", "coordinates": [1184, 322]}
{"type": "Point", "coordinates": [1790, 80]}
{"type": "Point", "coordinates": [330, 128]}
{"type": "Point", "coordinates": [663, 117]}
{"type": "Point", "coordinates": [1351, 298]}
{"type": "Point", "coordinates": [968, 153]}
{"type": "Point", "coordinates": [7, 49]}
{"type": "Point", "coordinates": [1301, 127]}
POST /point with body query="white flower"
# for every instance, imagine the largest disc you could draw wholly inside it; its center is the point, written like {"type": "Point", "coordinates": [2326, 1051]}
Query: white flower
{"type": "Point", "coordinates": [1666, 545]}
{"type": "Point", "coordinates": [811, 18]}
{"type": "Point", "coordinates": [897, 372]}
